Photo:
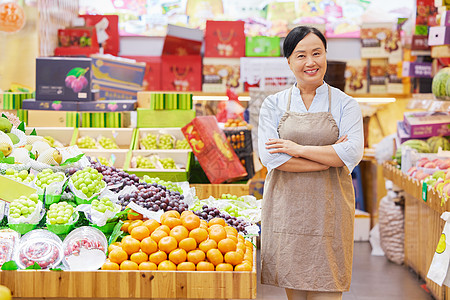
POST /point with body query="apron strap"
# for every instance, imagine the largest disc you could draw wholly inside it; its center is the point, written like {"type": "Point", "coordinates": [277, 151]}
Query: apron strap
{"type": "Point", "coordinates": [329, 98]}
{"type": "Point", "coordinates": [289, 99]}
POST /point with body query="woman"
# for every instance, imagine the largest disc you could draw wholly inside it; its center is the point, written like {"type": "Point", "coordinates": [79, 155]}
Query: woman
{"type": "Point", "coordinates": [310, 139]}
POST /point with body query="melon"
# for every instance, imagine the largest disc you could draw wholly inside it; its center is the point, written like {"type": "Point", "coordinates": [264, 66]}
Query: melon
{"type": "Point", "coordinates": [441, 81]}
{"type": "Point", "coordinates": [438, 141]}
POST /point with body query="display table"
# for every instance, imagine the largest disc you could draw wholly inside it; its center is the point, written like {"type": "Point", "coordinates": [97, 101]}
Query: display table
{"type": "Point", "coordinates": [423, 226]}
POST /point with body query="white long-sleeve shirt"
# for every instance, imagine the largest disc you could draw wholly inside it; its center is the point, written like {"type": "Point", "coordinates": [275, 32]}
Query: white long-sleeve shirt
{"type": "Point", "coordinates": [345, 110]}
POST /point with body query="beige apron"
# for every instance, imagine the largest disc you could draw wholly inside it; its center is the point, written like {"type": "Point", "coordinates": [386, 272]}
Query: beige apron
{"type": "Point", "coordinates": [307, 218]}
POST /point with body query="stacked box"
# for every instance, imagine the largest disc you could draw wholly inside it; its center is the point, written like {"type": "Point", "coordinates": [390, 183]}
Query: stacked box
{"type": "Point", "coordinates": [219, 74]}
{"type": "Point", "coordinates": [181, 73]}
{"type": "Point", "coordinates": [262, 46]}
{"type": "Point", "coordinates": [150, 118]}
{"type": "Point", "coordinates": [356, 81]}
{"type": "Point", "coordinates": [44, 118]}
{"type": "Point", "coordinates": [224, 39]}
{"type": "Point", "coordinates": [20, 113]}
{"type": "Point", "coordinates": [427, 124]}
{"type": "Point", "coordinates": [14, 100]}
{"type": "Point", "coordinates": [241, 142]}
{"type": "Point", "coordinates": [439, 35]}
{"type": "Point", "coordinates": [105, 119]}
{"type": "Point", "coordinates": [165, 101]}
{"type": "Point", "coordinates": [378, 79]}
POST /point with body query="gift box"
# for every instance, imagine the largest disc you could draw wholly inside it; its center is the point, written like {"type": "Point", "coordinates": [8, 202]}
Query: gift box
{"type": "Point", "coordinates": [150, 118]}
{"type": "Point", "coordinates": [161, 101]}
{"type": "Point", "coordinates": [214, 153]}
{"type": "Point", "coordinates": [63, 79]}
{"type": "Point", "coordinates": [220, 74]}
{"type": "Point", "coordinates": [395, 82]}
{"type": "Point", "coordinates": [224, 39]}
{"type": "Point", "coordinates": [109, 37]}
{"type": "Point", "coordinates": [416, 69]}
{"type": "Point", "coordinates": [48, 118]}
{"type": "Point", "coordinates": [419, 42]}
{"type": "Point", "coordinates": [439, 35]}
{"type": "Point", "coordinates": [50, 105]}
{"type": "Point", "coordinates": [182, 41]}
{"type": "Point", "coordinates": [108, 105]}
{"type": "Point", "coordinates": [13, 100]}
{"type": "Point", "coordinates": [378, 40]}
{"type": "Point", "coordinates": [77, 41]}
{"type": "Point", "coordinates": [426, 124]}
{"type": "Point", "coordinates": [356, 76]}
{"type": "Point", "coordinates": [152, 76]}
{"type": "Point", "coordinates": [181, 73]}
{"type": "Point", "coordinates": [107, 90]}
{"type": "Point", "coordinates": [378, 79]}
{"type": "Point", "coordinates": [105, 119]}
{"type": "Point", "coordinates": [262, 46]}
{"type": "Point", "coordinates": [118, 71]}
{"type": "Point", "coordinates": [445, 18]}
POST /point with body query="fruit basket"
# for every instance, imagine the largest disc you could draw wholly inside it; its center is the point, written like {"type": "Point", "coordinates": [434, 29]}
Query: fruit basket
{"type": "Point", "coordinates": [123, 137]}
{"type": "Point", "coordinates": [62, 135]}
{"type": "Point", "coordinates": [156, 133]}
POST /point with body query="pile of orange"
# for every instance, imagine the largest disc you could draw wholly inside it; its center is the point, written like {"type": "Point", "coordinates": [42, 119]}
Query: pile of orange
{"type": "Point", "coordinates": [180, 242]}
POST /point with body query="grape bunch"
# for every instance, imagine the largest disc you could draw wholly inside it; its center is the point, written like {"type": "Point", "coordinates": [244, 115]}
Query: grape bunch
{"type": "Point", "coordinates": [149, 141]}
{"type": "Point", "coordinates": [144, 163]}
{"type": "Point", "coordinates": [168, 184]}
{"type": "Point", "coordinates": [103, 160]}
{"type": "Point", "coordinates": [165, 141]}
{"type": "Point", "coordinates": [113, 176]}
{"type": "Point", "coordinates": [88, 181]}
{"type": "Point", "coordinates": [47, 177]}
{"type": "Point", "coordinates": [182, 144]}
{"type": "Point", "coordinates": [86, 142]}
{"type": "Point", "coordinates": [231, 197]}
{"type": "Point", "coordinates": [168, 163]}
{"type": "Point", "coordinates": [24, 206]}
{"type": "Point", "coordinates": [59, 213]}
{"type": "Point", "coordinates": [155, 197]}
{"type": "Point", "coordinates": [21, 176]}
{"type": "Point", "coordinates": [103, 205]}
{"type": "Point", "coordinates": [107, 143]}
{"type": "Point", "coordinates": [208, 213]}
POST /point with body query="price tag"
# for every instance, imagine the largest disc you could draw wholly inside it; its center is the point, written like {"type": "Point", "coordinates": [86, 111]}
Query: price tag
{"type": "Point", "coordinates": [424, 191]}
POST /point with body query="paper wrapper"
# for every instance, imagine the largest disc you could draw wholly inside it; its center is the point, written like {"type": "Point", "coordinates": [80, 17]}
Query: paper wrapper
{"type": "Point", "coordinates": [16, 167]}
{"type": "Point", "coordinates": [5, 139]}
{"type": "Point", "coordinates": [52, 192]}
{"type": "Point", "coordinates": [439, 268]}
{"type": "Point", "coordinates": [252, 230]}
{"type": "Point", "coordinates": [86, 260]}
{"type": "Point", "coordinates": [81, 198]}
{"type": "Point", "coordinates": [155, 215]}
{"type": "Point", "coordinates": [33, 218]}
{"type": "Point", "coordinates": [96, 217]}
{"type": "Point", "coordinates": [67, 152]}
{"type": "Point", "coordinates": [62, 229]}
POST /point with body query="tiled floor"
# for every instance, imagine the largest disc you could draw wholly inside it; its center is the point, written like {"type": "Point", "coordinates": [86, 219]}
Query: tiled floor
{"type": "Point", "coordinates": [373, 277]}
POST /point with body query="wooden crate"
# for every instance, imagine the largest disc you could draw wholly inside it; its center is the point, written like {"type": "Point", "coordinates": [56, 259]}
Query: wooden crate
{"type": "Point", "coordinates": [203, 191]}
{"type": "Point", "coordinates": [131, 284]}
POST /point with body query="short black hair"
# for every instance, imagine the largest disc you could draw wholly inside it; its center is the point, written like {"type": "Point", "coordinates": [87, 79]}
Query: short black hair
{"type": "Point", "coordinates": [296, 35]}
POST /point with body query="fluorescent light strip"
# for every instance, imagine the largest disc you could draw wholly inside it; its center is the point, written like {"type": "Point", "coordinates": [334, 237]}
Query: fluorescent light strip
{"type": "Point", "coordinates": [218, 98]}
{"type": "Point", "coordinates": [375, 100]}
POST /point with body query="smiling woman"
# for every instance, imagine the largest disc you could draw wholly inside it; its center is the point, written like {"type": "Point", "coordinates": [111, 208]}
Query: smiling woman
{"type": "Point", "coordinates": [310, 137]}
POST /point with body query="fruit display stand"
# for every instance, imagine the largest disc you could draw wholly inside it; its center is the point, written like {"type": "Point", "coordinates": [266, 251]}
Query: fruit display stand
{"type": "Point", "coordinates": [124, 137]}
{"type": "Point", "coordinates": [423, 225]}
{"type": "Point", "coordinates": [141, 133]}
{"type": "Point", "coordinates": [203, 191]}
{"type": "Point", "coordinates": [63, 135]}
{"type": "Point", "coordinates": [120, 156]}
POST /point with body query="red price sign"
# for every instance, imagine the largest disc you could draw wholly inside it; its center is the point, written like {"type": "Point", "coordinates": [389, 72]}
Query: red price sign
{"type": "Point", "coordinates": [12, 17]}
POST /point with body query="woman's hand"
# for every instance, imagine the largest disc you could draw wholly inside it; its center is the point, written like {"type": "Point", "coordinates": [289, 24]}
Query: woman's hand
{"type": "Point", "coordinates": [283, 146]}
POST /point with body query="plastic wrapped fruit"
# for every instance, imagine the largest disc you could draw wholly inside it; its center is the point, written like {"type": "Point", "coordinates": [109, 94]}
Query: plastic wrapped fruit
{"type": "Point", "coordinates": [8, 240]}
{"type": "Point", "coordinates": [85, 249]}
{"type": "Point", "coordinates": [39, 246]}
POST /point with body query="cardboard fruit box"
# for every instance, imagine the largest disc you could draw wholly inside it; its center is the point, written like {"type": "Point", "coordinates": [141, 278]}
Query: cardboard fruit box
{"type": "Point", "coordinates": [182, 158]}
{"type": "Point", "coordinates": [64, 135]}
{"type": "Point", "coordinates": [176, 133]}
{"type": "Point", "coordinates": [426, 124]}
{"type": "Point", "coordinates": [117, 157]}
{"type": "Point", "coordinates": [124, 137]}
{"type": "Point", "coordinates": [214, 153]}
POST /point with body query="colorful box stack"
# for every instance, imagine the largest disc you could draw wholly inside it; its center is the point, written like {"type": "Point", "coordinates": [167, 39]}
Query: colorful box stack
{"type": "Point", "coordinates": [12, 102]}
{"type": "Point", "coordinates": [168, 101]}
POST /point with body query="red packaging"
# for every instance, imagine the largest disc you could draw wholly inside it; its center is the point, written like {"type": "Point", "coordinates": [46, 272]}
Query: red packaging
{"type": "Point", "coordinates": [224, 39]}
{"type": "Point", "coordinates": [77, 41]}
{"type": "Point", "coordinates": [152, 77]}
{"type": "Point", "coordinates": [214, 153]}
{"type": "Point", "coordinates": [182, 41]}
{"type": "Point", "coordinates": [181, 73]}
{"type": "Point", "coordinates": [111, 45]}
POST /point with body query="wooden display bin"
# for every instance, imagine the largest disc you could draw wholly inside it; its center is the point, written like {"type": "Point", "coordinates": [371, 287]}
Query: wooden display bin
{"type": "Point", "coordinates": [64, 135]}
{"type": "Point", "coordinates": [203, 191]}
{"type": "Point", "coordinates": [181, 157]}
{"type": "Point", "coordinates": [142, 132]}
{"type": "Point", "coordinates": [124, 137]}
{"type": "Point", "coordinates": [120, 155]}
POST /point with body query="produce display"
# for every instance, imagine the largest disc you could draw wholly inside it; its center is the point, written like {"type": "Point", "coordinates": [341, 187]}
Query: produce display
{"type": "Point", "coordinates": [144, 163]}
{"type": "Point", "coordinates": [88, 181]}
{"type": "Point", "coordinates": [103, 205]}
{"type": "Point", "coordinates": [22, 176]}
{"type": "Point", "coordinates": [107, 143]}
{"type": "Point", "coordinates": [41, 247]}
{"type": "Point", "coordinates": [8, 240]}
{"type": "Point", "coordinates": [23, 207]}
{"type": "Point", "coordinates": [182, 144]}
{"type": "Point", "coordinates": [47, 177]}
{"type": "Point", "coordinates": [165, 141]}
{"type": "Point", "coordinates": [60, 213]}
{"type": "Point", "coordinates": [168, 184]}
{"type": "Point", "coordinates": [86, 142]}
{"type": "Point", "coordinates": [168, 163]}
{"type": "Point", "coordinates": [235, 123]}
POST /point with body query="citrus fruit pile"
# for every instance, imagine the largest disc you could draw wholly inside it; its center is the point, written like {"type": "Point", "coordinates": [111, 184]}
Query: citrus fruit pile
{"type": "Point", "coordinates": [180, 242]}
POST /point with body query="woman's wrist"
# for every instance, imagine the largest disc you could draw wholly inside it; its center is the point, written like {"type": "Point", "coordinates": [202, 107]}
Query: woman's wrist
{"type": "Point", "coordinates": [300, 150]}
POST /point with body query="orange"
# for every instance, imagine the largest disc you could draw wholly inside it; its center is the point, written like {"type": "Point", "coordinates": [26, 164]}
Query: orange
{"type": "Point", "coordinates": [208, 244]}
{"type": "Point", "coordinates": [151, 225]}
{"type": "Point", "coordinates": [179, 232]}
{"type": "Point", "coordinates": [245, 266]}
{"type": "Point", "coordinates": [117, 255]}
{"type": "Point", "coordinates": [114, 245]}
{"type": "Point", "coordinates": [231, 231]}
{"type": "Point", "coordinates": [205, 266]}
{"type": "Point", "coordinates": [226, 245]}
{"type": "Point", "coordinates": [132, 215]}
{"type": "Point", "coordinates": [129, 265]}
{"type": "Point", "coordinates": [217, 233]}
{"type": "Point", "coordinates": [167, 244]}
{"type": "Point", "coordinates": [126, 237]}
{"type": "Point", "coordinates": [199, 234]}
{"type": "Point", "coordinates": [149, 246]}
{"type": "Point", "coordinates": [167, 265]}
{"type": "Point", "coordinates": [140, 232]}
{"type": "Point", "coordinates": [187, 244]}
{"type": "Point", "coordinates": [186, 266]}
{"type": "Point", "coordinates": [134, 224]}
{"type": "Point", "coordinates": [219, 221]}
{"type": "Point", "coordinates": [185, 213]}
{"type": "Point", "coordinates": [191, 221]}
{"type": "Point", "coordinates": [177, 256]}
{"type": "Point", "coordinates": [233, 258]}
{"type": "Point", "coordinates": [139, 257]}
{"type": "Point", "coordinates": [170, 213]}
{"type": "Point", "coordinates": [241, 246]}
{"type": "Point", "coordinates": [157, 235]}
{"type": "Point", "coordinates": [241, 238]}
{"type": "Point", "coordinates": [125, 225]}
{"type": "Point", "coordinates": [232, 237]}
{"type": "Point", "coordinates": [248, 244]}
{"type": "Point", "coordinates": [196, 256]}
{"type": "Point", "coordinates": [110, 266]}
{"type": "Point", "coordinates": [147, 265]}
{"type": "Point", "coordinates": [241, 252]}
{"type": "Point", "coordinates": [157, 257]}
{"type": "Point", "coordinates": [131, 246]}
{"type": "Point", "coordinates": [171, 222]}
{"type": "Point", "coordinates": [203, 222]}
{"type": "Point", "coordinates": [248, 250]}
{"type": "Point", "coordinates": [214, 256]}
{"type": "Point", "coordinates": [248, 257]}
{"type": "Point", "coordinates": [164, 228]}
{"type": "Point", "coordinates": [224, 267]}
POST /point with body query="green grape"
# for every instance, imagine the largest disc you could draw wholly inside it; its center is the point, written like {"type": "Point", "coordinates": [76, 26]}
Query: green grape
{"type": "Point", "coordinates": [21, 176]}
{"type": "Point", "coordinates": [149, 141]}
{"type": "Point", "coordinates": [86, 142]}
{"type": "Point", "coordinates": [144, 163]}
{"type": "Point", "coordinates": [165, 141]}
{"type": "Point", "coordinates": [47, 177]}
{"type": "Point", "coordinates": [88, 181]}
{"type": "Point", "coordinates": [23, 206]}
{"type": "Point", "coordinates": [59, 213]}
{"type": "Point", "coordinates": [168, 184]}
{"type": "Point", "coordinates": [103, 160]}
{"type": "Point", "coordinates": [107, 143]}
{"type": "Point", "coordinates": [168, 163]}
{"type": "Point", "coordinates": [182, 144]}
{"type": "Point", "coordinates": [103, 205]}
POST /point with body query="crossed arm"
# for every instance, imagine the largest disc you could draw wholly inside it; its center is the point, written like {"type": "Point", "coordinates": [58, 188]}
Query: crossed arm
{"type": "Point", "coordinates": [305, 158]}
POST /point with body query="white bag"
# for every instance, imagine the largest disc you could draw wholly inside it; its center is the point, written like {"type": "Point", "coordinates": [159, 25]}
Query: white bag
{"type": "Point", "coordinates": [439, 268]}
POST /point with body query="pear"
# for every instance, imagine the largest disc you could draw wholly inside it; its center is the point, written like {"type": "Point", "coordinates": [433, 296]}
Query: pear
{"type": "Point", "coordinates": [50, 156]}
{"type": "Point", "coordinates": [20, 155]}
{"type": "Point", "coordinates": [57, 156]}
{"type": "Point", "coordinates": [39, 147]}
{"type": "Point", "coordinates": [5, 125]}
{"type": "Point", "coordinates": [5, 148]}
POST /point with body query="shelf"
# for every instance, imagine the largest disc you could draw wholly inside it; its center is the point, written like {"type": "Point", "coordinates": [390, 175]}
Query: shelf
{"type": "Point", "coordinates": [440, 51]}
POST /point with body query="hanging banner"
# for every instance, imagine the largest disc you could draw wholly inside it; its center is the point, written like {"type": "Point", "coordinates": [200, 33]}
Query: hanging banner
{"type": "Point", "coordinates": [12, 17]}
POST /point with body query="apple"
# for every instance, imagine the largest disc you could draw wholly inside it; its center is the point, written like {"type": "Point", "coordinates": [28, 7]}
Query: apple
{"type": "Point", "coordinates": [422, 162]}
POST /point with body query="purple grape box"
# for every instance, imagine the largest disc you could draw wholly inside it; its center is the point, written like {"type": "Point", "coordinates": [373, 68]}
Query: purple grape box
{"type": "Point", "coordinates": [63, 79]}
{"type": "Point", "coordinates": [426, 124]}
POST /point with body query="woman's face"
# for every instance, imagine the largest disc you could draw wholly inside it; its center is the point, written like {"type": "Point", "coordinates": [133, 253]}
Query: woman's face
{"type": "Point", "coordinates": [308, 61]}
